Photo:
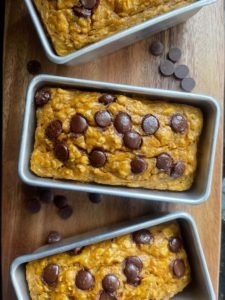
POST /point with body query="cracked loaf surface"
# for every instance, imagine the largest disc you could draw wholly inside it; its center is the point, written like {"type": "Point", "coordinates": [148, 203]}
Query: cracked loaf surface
{"type": "Point", "coordinates": [148, 264]}
{"type": "Point", "coordinates": [73, 24]}
{"type": "Point", "coordinates": [115, 140]}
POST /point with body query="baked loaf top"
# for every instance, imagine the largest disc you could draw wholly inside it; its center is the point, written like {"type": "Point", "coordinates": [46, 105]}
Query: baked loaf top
{"type": "Point", "coordinates": [73, 24]}
{"type": "Point", "coordinates": [148, 264]}
{"type": "Point", "coordinates": [115, 139]}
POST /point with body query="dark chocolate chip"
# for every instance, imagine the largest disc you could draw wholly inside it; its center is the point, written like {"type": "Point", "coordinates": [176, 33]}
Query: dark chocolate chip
{"type": "Point", "coordinates": [61, 151]}
{"type": "Point", "coordinates": [66, 212]}
{"type": "Point", "coordinates": [174, 54]}
{"type": "Point", "coordinates": [107, 99]}
{"type": "Point", "coordinates": [178, 169]}
{"type": "Point", "coordinates": [107, 296]}
{"type": "Point", "coordinates": [89, 4]}
{"type": "Point", "coordinates": [60, 201]}
{"type": "Point", "coordinates": [132, 140]}
{"type": "Point", "coordinates": [53, 129]}
{"type": "Point", "coordinates": [42, 97]}
{"type": "Point", "coordinates": [132, 274]}
{"type": "Point", "coordinates": [85, 280]}
{"type": "Point", "coordinates": [110, 283]}
{"type": "Point", "coordinates": [75, 251]}
{"type": "Point", "coordinates": [142, 237]}
{"type": "Point", "coordinates": [178, 123]}
{"type": "Point", "coordinates": [82, 12]}
{"type": "Point", "coordinates": [34, 67]}
{"type": "Point", "coordinates": [181, 71]}
{"type": "Point", "coordinates": [166, 68]}
{"type": "Point", "coordinates": [78, 124]}
{"type": "Point", "coordinates": [134, 260]}
{"type": "Point", "coordinates": [97, 158]}
{"type": "Point", "coordinates": [164, 162]}
{"type": "Point", "coordinates": [175, 244]}
{"type": "Point", "coordinates": [33, 205]}
{"type": "Point", "coordinates": [46, 195]}
{"type": "Point", "coordinates": [150, 124]}
{"type": "Point", "coordinates": [188, 84]}
{"type": "Point", "coordinates": [178, 268]}
{"type": "Point", "coordinates": [123, 122]}
{"type": "Point", "coordinates": [138, 165]}
{"type": "Point", "coordinates": [53, 237]}
{"type": "Point", "coordinates": [95, 198]}
{"type": "Point", "coordinates": [50, 274]}
{"type": "Point", "coordinates": [156, 48]}
{"type": "Point", "coordinates": [103, 118]}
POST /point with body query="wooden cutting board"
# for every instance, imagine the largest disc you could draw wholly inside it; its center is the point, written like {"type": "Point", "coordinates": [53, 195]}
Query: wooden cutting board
{"type": "Point", "coordinates": [201, 40]}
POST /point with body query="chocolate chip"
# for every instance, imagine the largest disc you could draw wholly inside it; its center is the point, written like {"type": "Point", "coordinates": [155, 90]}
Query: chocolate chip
{"type": "Point", "coordinates": [46, 195]}
{"type": "Point", "coordinates": [138, 165]}
{"type": "Point", "coordinates": [164, 162]}
{"type": "Point", "coordinates": [33, 205]}
{"type": "Point", "coordinates": [60, 201]}
{"type": "Point", "coordinates": [132, 140]}
{"type": "Point", "coordinates": [107, 296]}
{"type": "Point", "coordinates": [132, 274]}
{"type": "Point", "coordinates": [166, 68]}
{"type": "Point", "coordinates": [156, 48]}
{"type": "Point", "coordinates": [78, 124]}
{"type": "Point", "coordinates": [61, 152]}
{"type": "Point", "coordinates": [53, 237]}
{"type": "Point", "coordinates": [89, 4]}
{"type": "Point", "coordinates": [174, 54]}
{"type": "Point", "coordinates": [142, 237]}
{"type": "Point", "coordinates": [103, 118]}
{"type": "Point", "coordinates": [107, 99]}
{"type": "Point", "coordinates": [42, 97]}
{"type": "Point", "coordinates": [97, 158]}
{"type": "Point", "coordinates": [123, 122]}
{"type": "Point", "coordinates": [134, 260]}
{"type": "Point", "coordinates": [66, 212]}
{"type": "Point", "coordinates": [181, 71]}
{"type": "Point", "coordinates": [188, 84]}
{"type": "Point", "coordinates": [178, 169]}
{"type": "Point", "coordinates": [178, 123]}
{"type": "Point", "coordinates": [150, 124]}
{"type": "Point", "coordinates": [110, 283]}
{"type": "Point", "coordinates": [178, 268]}
{"type": "Point", "coordinates": [175, 244]}
{"type": "Point", "coordinates": [34, 67]}
{"type": "Point", "coordinates": [85, 280]}
{"type": "Point", "coordinates": [53, 129]}
{"type": "Point", "coordinates": [50, 274]}
{"type": "Point", "coordinates": [75, 251]}
{"type": "Point", "coordinates": [82, 12]}
{"type": "Point", "coordinates": [95, 198]}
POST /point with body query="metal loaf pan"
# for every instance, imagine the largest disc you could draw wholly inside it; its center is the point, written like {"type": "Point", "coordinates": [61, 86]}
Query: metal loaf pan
{"type": "Point", "coordinates": [118, 40]}
{"type": "Point", "coordinates": [200, 190]}
{"type": "Point", "coordinates": [199, 288]}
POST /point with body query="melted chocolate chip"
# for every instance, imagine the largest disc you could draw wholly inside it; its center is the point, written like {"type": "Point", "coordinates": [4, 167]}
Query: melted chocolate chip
{"type": "Point", "coordinates": [61, 152]}
{"type": "Point", "coordinates": [53, 237]}
{"type": "Point", "coordinates": [107, 296]}
{"type": "Point", "coordinates": [134, 260]}
{"type": "Point", "coordinates": [164, 162]}
{"type": "Point", "coordinates": [123, 122]}
{"type": "Point", "coordinates": [178, 169]}
{"type": "Point", "coordinates": [50, 274]}
{"type": "Point", "coordinates": [142, 237]}
{"type": "Point", "coordinates": [85, 280]}
{"type": "Point", "coordinates": [42, 97]}
{"type": "Point", "coordinates": [89, 4]}
{"type": "Point", "coordinates": [97, 158]}
{"type": "Point", "coordinates": [75, 251]}
{"type": "Point", "coordinates": [82, 12]}
{"type": "Point", "coordinates": [110, 283]}
{"type": "Point", "coordinates": [78, 124]}
{"type": "Point", "coordinates": [132, 140]}
{"type": "Point", "coordinates": [175, 244]}
{"type": "Point", "coordinates": [132, 274]}
{"type": "Point", "coordinates": [178, 268]}
{"type": "Point", "coordinates": [107, 99]}
{"type": "Point", "coordinates": [103, 118]}
{"type": "Point", "coordinates": [150, 124]}
{"type": "Point", "coordinates": [138, 165]}
{"type": "Point", "coordinates": [178, 123]}
{"type": "Point", "coordinates": [54, 129]}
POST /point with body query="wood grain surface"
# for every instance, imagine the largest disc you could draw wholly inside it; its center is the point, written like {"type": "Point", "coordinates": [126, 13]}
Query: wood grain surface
{"type": "Point", "coordinates": [201, 40]}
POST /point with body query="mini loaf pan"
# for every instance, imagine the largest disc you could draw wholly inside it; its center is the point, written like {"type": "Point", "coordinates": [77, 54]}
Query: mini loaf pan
{"type": "Point", "coordinates": [118, 40]}
{"type": "Point", "coordinates": [200, 189]}
{"type": "Point", "coordinates": [199, 288]}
